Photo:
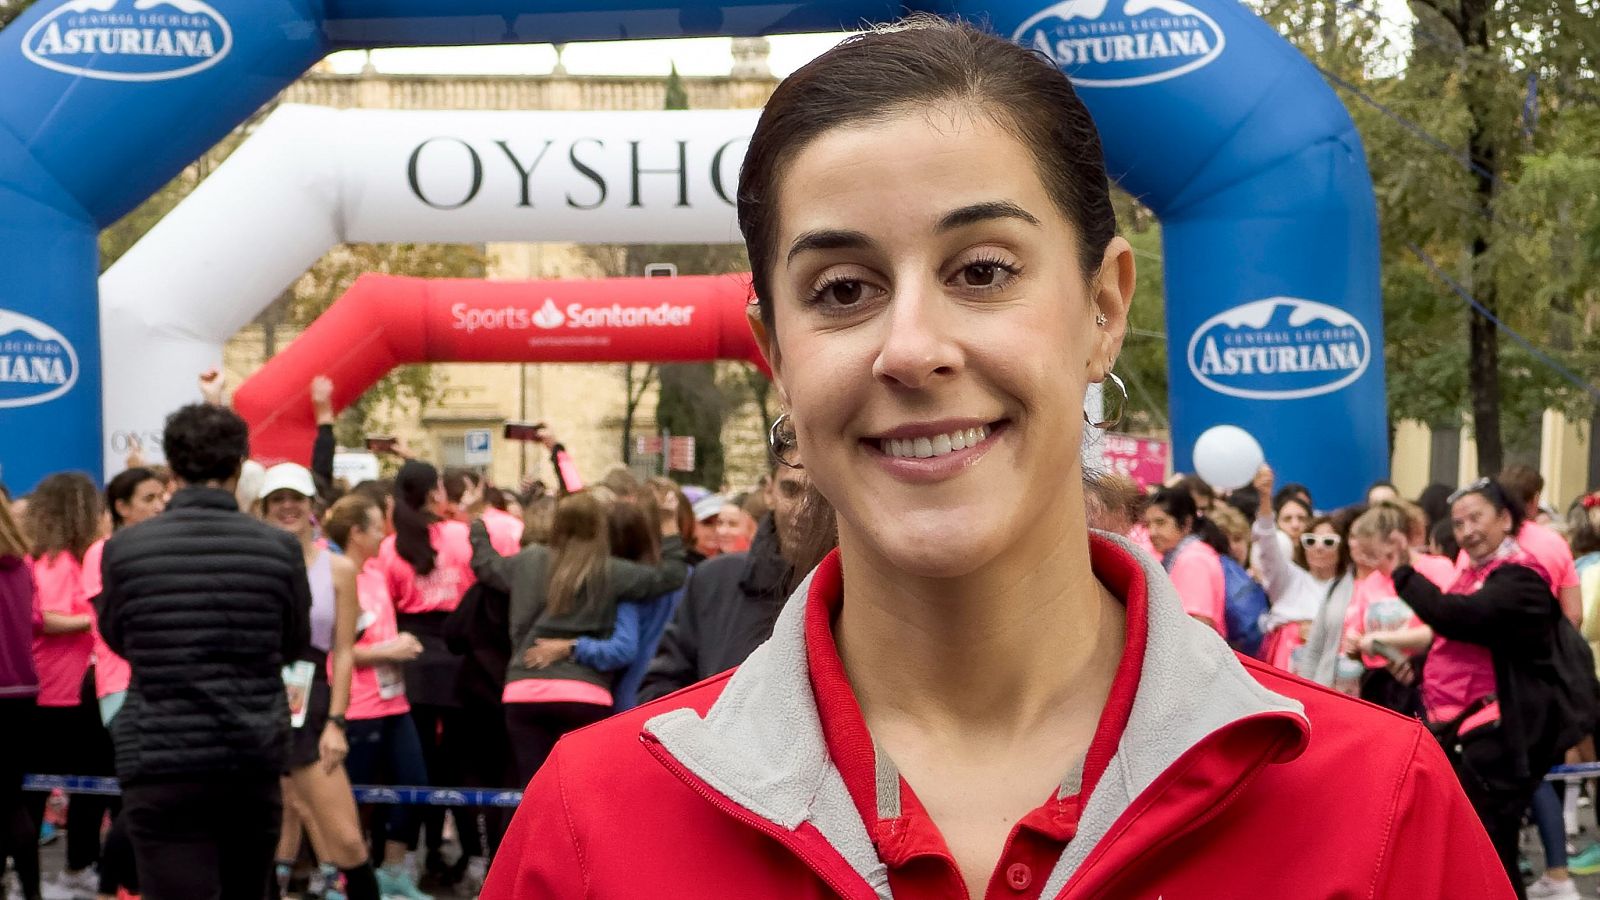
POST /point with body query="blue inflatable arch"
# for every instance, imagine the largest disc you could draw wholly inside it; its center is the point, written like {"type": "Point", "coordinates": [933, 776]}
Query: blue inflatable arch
{"type": "Point", "coordinates": [1208, 116]}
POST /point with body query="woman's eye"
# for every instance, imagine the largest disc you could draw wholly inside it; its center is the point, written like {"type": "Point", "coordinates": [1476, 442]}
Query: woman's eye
{"type": "Point", "coordinates": [980, 275]}
{"type": "Point", "coordinates": [844, 293]}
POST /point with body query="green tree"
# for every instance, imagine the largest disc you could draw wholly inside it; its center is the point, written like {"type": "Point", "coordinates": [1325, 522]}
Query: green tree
{"type": "Point", "coordinates": [11, 9]}
{"type": "Point", "coordinates": [1480, 125]}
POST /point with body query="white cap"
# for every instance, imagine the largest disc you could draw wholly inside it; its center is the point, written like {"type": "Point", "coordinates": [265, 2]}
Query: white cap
{"type": "Point", "coordinates": [708, 506]}
{"type": "Point", "coordinates": [288, 477]}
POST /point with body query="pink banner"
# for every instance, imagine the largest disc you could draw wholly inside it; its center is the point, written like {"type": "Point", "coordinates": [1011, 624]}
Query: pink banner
{"type": "Point", "coordinates": [1142, 459]}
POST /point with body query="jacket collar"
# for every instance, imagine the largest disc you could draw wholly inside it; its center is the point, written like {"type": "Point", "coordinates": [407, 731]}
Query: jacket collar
{"type": "Point", "coordinates": [202, 497]}
{"type": "Point", "coordinates": [761, 744]}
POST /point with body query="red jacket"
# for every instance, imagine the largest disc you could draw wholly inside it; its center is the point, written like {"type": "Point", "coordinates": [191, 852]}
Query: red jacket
{"type": "Point", "coordinates": [1229, 780]}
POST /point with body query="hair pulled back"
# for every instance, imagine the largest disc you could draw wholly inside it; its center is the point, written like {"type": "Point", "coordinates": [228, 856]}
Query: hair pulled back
{"type": "Point", "coordinates": [415, 481]}
{"type": "Point", "coordinates": [919, 62]}
{"type": "Point", "coordinates": [122, 488]}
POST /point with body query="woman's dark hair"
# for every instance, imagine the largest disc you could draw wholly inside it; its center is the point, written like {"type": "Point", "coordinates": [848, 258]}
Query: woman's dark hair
{"type": "Point", "coordinates": [122, 488]}
{"type": "Point", "coordinates": [1213, 536]}
{"type": "Point", "coordinates": [412, 517]}
{"type": "Point", "coordinates": [920, 62]}
{"type": "Point", "coordinates": [633, 536]}
{"type": "Point", "coordinates": [1435, 501]}
{"type": "Point", "coordinates": [1247, 500]}
{"type": "Point", "coordinates": [63, 515]}
{"type": "Point", "coordinates": [1499, 498]}
{"type": "Point", "coordinates": [456, 480]}
{"type": "Point", "coordinates": [1292, 494]}
{"type": "Point", "coordinates": [1197, 487]}
{"type": "Point", "coordinates": [1177, 503]}
{"type": "Point", "coordinates": [205, 443]}
{"type": "Point", "coordinates": [1444, 534]}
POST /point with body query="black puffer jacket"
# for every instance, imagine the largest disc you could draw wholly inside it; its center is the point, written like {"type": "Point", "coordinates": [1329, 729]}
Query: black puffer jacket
{"type": "Point", "coordinates": [206, 604]}
{"type": "Point", "coordinates": [727, 612]}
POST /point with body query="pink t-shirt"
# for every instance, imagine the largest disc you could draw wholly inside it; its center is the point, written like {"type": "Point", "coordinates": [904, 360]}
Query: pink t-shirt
{"type": "Point", "coordinates": [1459, 672]}
{"type": "Point", "coordinates": [1197, 574]}
{"type": "Point", "coordinates": [380, 690]}
{"type": "Point", "coordinates": [505, 531]}
{"type": "Point", "coordinates": [112, 674]}
{"type": "Point", "coordinates": [441, 590]}
{"type": "Point", "coordinates": [62, 659]}
{"type": "Point", "coordinates": [1435, 568]}
{"type": "Point", "coordinates": [1374, 606]}
{"type": "Point", "coordinates": [1549, 550]}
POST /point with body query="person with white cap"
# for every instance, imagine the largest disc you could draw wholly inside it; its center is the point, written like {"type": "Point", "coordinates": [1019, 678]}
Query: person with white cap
{"type": "Point", "coordinates": [315, 784]}
{"type": "Point", "coordinates": [706, 510]}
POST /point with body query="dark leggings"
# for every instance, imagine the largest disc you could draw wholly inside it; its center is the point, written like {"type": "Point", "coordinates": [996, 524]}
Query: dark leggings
{"type": "Point", "coordinates": [443, 750]}
{"type": "Point", "coordinates": [489, 766]}
{"type": "Point", "coordinates": [72, 741]}
{"type": "Point", "coordinates": [19, 831]}
{"type": "Point", "coordinates": [386, 751]}
{"type": "Point", "coordinates": [535, 728]}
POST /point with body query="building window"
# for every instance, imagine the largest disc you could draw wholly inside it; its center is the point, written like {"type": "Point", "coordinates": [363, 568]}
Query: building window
{"type": "Point", "coordinates": [453, 450]}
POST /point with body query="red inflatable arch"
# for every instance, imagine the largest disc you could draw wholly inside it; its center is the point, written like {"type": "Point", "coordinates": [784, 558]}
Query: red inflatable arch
{"type": "Point", "coordinates": [385, 321]}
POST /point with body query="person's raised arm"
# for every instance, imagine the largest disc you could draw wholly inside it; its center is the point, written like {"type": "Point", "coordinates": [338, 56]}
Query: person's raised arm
{"type": "Point", "coordinates": [488, 565]}
{"type": "Point", "coordinates": [212, 384]}
{"type": "Point", "coordinates": [323, 448]}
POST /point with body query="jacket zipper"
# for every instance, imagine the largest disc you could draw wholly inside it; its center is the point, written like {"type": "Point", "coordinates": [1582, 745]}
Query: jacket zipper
{"type": "Point", "coordinates": [1194, 824]}
{"type": "Point", "coordinates": [739, 813]}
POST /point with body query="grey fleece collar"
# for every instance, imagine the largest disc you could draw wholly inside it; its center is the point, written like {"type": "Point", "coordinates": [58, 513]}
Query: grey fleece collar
{"type": "Point", "coordinates": [761, 744]}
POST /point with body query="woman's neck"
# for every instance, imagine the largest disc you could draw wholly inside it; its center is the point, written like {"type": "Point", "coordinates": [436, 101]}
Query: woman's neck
{"type": "Point", "coordinates": [308, 544]}
{"type": "Point", "coordinates": [1024, 640]}
{"type": "Point", "coordinates": [1324, 573]}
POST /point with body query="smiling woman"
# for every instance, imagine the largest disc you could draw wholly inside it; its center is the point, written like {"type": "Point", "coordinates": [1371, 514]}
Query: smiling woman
{"type": "Point", "coordinates": [974, 694]}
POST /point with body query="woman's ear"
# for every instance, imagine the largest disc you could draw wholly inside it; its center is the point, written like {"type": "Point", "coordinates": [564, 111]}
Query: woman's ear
{"type": "Point", "coordinates": [1111, 299]}
{"type": "Point", "coordinates": [767, 341]}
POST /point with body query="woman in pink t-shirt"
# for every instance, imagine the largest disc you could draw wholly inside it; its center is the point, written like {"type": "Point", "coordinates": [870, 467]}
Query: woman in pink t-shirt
{"type": "Point", "coordinates": [1194, 567]}
{"type": "Point", "coordinates": [63, 521]}
{"type": "Point", "coordinates": [427, 567]}
{"type": "Point", "coordinates": [384, 745]}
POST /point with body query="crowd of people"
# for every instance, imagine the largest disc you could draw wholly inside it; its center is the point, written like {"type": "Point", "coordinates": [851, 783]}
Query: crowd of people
{"type": "Point", "coordinates": [429, 629]}
{"type": "Point", "coordinates": [1462, 608]}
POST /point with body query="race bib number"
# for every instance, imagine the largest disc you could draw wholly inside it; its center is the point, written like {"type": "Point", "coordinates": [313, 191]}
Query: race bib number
{"type": "Point", "coordinates": [297, 678]}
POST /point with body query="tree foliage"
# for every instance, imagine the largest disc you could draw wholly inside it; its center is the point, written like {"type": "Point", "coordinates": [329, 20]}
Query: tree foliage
{"type": "Point", "coordinates": [1481, 121]}
{"type": "Point", "coordinates": [11, 9]}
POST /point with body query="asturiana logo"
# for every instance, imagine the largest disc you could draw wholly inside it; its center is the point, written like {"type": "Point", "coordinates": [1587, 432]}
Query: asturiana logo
{"type": "Point", "coordinates": [37, 364]}
{"type": "Point", "coordinates": [1280, 348]}
{"type": "Point", "coordinates": [1148, 41]}
{"type": "Point", "coordinates": [129, 40]}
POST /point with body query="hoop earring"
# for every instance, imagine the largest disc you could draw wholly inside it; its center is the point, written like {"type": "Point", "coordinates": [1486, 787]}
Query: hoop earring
{"type": "Point", "coordinates": [781, 439]}
{"type": "Point", "coordinates": [1117, 408]}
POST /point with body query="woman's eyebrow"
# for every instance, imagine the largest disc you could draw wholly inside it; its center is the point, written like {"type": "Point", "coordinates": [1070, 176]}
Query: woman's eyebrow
{"type": "Point", "coordinates": [983, 212]}
{"type": "Point", "coordinates": [827, 239]}
{"type": "Point", "coordinates": [843, 239]}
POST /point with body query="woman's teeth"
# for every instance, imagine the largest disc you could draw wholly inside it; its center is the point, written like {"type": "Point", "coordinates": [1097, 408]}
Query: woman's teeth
{"type": "Point", "coordinates": [939, 445]}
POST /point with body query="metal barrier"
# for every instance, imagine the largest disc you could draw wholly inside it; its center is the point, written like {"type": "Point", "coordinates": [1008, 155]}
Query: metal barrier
{"type": "Point", "coordinates": [1574, 772]}
{"type": "Point", "coordinates": [401, 795]}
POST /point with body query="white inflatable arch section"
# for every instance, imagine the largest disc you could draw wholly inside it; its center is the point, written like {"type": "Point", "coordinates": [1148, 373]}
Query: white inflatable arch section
{"type": "Point", "coordinates": [310, 178]}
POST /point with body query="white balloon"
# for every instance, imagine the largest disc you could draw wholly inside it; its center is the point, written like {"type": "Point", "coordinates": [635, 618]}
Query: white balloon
{"type": "Point", "coordinates": [1227, 457]}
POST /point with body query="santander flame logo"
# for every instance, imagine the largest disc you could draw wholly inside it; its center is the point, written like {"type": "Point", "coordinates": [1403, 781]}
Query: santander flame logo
{"type": "Point", "coordinates": [548, 315]}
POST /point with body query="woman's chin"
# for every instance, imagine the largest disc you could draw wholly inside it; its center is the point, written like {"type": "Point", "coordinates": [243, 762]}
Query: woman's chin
{"type": "Point", "coordinates": [947, 551]}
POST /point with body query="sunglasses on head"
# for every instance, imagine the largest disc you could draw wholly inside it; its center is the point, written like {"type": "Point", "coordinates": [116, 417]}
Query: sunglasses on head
{"type": "Point", "coordinates": [1477, 487]}
{"type": "Point", "coordinates": [1312, 541]}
